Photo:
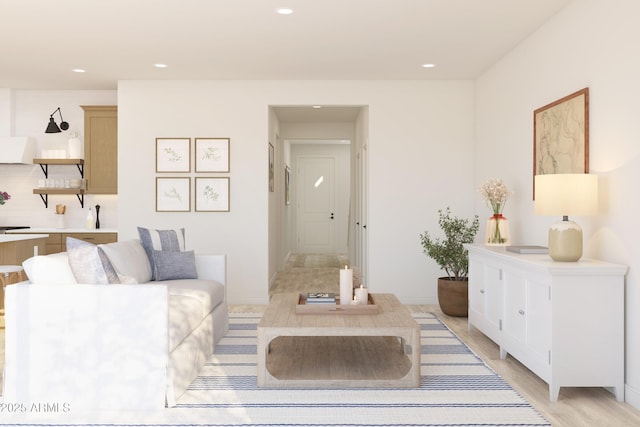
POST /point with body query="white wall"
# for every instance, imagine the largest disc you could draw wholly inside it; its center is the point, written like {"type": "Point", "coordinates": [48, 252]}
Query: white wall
{"type": "Point", "coordinates": [420, 152]}
{"type": "Point", "coordinates": [591, 43]}
{"type": "Point", "coordinates": [30, 111]}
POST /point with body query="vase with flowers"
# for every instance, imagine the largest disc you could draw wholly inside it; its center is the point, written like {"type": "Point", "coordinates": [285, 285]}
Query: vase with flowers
{"type": "Point", "coordinates": [4, 196]}
{"type": "Point", "coordinates": [495, 194]}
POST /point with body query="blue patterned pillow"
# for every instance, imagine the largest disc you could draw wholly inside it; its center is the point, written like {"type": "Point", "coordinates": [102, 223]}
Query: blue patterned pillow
{"type": "Point", "coordinates": [160, 240]}
{"type": "Point", "coordinates": [89, 263]}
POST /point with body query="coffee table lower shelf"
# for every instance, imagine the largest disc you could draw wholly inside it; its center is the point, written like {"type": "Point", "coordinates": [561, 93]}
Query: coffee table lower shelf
{"type": "Point", "coordinates": [339, 351]}
{"type": "Point", "coordinates": [336, 362]}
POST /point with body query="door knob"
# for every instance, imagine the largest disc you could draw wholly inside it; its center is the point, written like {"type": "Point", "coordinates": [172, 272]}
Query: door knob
{"type": "Point", "coordinates": [331, 215]}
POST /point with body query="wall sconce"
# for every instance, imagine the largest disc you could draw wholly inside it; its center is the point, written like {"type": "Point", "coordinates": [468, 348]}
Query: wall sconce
{"type": "Point", "coordinates": [566, 194]}
{"type": "Point", "coordinates": [52, 127]}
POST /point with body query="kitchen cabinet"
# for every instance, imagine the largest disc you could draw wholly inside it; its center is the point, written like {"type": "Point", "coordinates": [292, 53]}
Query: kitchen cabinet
{"type": "Point", "coordinates": [44, 192]}
{"type": "Point", "coordinates": [57, 242]}
{"type": "Point", "coordinates": [563, 320]}
{"type": "Point", "coordinates": [14, 249]}
{"type": "Point", "coordinates": [101, 148]}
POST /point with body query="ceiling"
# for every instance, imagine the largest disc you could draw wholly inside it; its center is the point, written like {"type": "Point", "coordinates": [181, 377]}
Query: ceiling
{"type": "Point", "coordinates": [42, 41]}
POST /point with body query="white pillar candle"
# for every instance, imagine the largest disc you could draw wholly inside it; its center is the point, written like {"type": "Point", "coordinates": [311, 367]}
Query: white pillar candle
{"type": "Point", "coordinates": [346, 285]}
{"type": "Point", "coordinates": [362, 295]}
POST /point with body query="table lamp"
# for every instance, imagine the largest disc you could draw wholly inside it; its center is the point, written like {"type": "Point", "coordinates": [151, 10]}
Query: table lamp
{"type": "Point", "coordinates": [566, 194]}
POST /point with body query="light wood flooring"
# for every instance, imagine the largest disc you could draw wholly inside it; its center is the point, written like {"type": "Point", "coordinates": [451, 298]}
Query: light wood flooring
{"type": "Point", "coordinates": [576, 406]}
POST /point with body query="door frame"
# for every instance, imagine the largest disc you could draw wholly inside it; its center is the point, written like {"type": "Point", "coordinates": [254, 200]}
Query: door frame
{"type": "Point", "coordinates": [343, 209]}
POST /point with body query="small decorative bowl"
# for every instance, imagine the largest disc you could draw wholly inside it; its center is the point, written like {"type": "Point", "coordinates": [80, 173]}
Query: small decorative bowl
{"type": "Point", "coordinates": [75, 183]}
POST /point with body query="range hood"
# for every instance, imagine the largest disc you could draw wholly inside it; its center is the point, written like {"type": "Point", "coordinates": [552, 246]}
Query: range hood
{"type": "Point", "coordinates": [17, 150]}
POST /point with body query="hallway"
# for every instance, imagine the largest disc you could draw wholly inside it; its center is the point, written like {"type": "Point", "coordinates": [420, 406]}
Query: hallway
{"type": "Point", "coordinates": [310, 273]}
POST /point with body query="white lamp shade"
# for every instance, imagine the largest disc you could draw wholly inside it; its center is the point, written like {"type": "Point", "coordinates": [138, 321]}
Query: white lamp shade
{"type": "Point", "coordinates": [566, 194]}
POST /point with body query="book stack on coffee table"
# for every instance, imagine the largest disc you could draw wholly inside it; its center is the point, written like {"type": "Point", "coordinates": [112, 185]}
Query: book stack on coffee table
{"type": "Point", "coordinates": [321, 298]}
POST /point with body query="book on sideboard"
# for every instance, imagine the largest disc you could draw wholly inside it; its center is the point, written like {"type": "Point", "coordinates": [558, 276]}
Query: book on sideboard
{"type": "Point", "coordinates": [528, 249]}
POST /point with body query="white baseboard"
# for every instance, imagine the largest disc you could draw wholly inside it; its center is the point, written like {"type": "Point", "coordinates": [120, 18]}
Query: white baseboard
{"type": "Point", "coordinates": [632, 396]}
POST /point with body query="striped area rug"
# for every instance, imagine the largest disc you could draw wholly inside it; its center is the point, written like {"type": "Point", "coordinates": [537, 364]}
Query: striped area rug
{"type": "Point", "coordinates": [457, 389]}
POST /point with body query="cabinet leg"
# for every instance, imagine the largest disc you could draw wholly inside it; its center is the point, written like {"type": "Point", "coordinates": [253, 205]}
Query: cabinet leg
{"type": "Point", "coordinates": [619, 393]}
{"type": "Point", "coordinates": [554, 391]}
{"type": "Point", "coordinates": [503, 353]}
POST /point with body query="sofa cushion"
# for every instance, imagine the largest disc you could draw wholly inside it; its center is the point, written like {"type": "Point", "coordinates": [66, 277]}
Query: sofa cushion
{"type": "Point", "coordinates": [160, 240]}
{"type": "Point", "coordinates": [89, 263]}
{"type": "Point", "coordinates": [184, 317]}
{"type": "Point", "coordinates": [174, 265]}
{"type": "Point", "coordinates": [129, 259]}
{"type": "Point", "coordinates": [51, 269]}
{"type": "Point", "coordinates": [208, 293]}
{"type": "Point", "coordinates": [190, 301]}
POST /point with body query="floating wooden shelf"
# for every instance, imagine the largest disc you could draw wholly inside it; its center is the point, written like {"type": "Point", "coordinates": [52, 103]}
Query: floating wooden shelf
{"type": "Point", "coordinates": [44, 192]}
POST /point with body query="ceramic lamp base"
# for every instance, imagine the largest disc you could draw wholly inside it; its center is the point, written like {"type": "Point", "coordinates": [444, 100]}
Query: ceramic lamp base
{"type": "Point", "coordinates": [565, 241]}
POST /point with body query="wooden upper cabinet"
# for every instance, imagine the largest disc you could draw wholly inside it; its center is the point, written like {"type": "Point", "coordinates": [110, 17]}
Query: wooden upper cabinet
{"type": "Point", "coordinates": [101, 148]}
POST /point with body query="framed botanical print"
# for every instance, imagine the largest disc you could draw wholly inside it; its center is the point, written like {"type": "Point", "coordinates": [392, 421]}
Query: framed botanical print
{"type": "Point", "coordinates": [212, 194]}
{"type": "Point", "coordinates": [212, 154]}
{"type": "Point", "coordinates": [173, 194]}
{"type": "Point", "coordinates": [173, 154]}
{"type": "Point", "coordinates": [272, 171]}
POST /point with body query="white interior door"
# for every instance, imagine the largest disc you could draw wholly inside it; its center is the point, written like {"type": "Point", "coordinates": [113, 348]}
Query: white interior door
{"type": "Point", "coordinates": [316, 184]}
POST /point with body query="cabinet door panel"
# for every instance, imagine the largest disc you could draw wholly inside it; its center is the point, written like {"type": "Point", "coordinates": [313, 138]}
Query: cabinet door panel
{"type": "Point", "coordinates": [515, 306]}
{"type": "Point", "coordinates": [477, 285]}
{"type": "Point", "coordinates": [538, 317]}
{"type": "Point", "coordinates": [101, 149]}
{"type": "Point", "coordinates": [494, 296]}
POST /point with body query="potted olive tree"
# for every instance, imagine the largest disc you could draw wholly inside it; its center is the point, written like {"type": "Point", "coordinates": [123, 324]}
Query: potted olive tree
{"type": "Point", "coordinates": [449, 253]}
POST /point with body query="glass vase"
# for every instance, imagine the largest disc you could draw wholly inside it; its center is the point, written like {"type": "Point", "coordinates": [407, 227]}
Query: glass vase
{"type": "Point", "coordinates": [497, 232]}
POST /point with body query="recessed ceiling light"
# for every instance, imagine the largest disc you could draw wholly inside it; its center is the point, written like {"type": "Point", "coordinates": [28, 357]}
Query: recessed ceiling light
{"type": "Point", "coordinates": [78, 70]}
{"type": "Point", "coordinates": [284, 11]}
{"type": "Point", "coordinates": [428, 65]}
{"type": "Point", "coordinates": [317, 106]}
{"type": "Point", "coordinates": [160, 65]}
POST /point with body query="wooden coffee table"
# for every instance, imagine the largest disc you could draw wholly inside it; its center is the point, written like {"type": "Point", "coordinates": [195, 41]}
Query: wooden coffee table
{"type": "Point", "coordinates": [338, 350]}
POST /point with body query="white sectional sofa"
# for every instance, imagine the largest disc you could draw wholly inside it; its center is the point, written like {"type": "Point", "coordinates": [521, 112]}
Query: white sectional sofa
{"type": "Point", "coordinates": [135, 345]}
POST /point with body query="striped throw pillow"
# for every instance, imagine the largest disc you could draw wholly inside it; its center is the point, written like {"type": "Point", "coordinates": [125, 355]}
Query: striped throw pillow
{"type": "Point", "coordinates": [171, 240]}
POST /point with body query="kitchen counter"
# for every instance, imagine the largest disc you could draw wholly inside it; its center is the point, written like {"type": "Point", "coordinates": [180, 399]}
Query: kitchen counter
{"type": "Point", "coordinates": [63, 230]}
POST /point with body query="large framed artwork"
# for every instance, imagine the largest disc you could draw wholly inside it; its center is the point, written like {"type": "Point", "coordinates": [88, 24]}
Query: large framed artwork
{"type": "Point", "coordinates": [173, 154]}
{"type": "Point", "coordinates": [212, 154]}
{"type": "Point", "coordinates": [561, 135]}
{"type": "Point", "coordinates": [212, 194]}
{"type": "Point", "coordinates": [173, 194]}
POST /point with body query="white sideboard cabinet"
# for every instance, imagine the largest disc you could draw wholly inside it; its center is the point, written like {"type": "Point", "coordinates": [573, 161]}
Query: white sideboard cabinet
{"type": "Point", "coordinates": [563, 320]}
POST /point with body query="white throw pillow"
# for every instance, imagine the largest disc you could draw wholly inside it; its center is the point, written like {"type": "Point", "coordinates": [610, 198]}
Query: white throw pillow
{"type": "Point", "coordinates": [129, 259]}
{"type": "Point", "coordinates": [51, 269]}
